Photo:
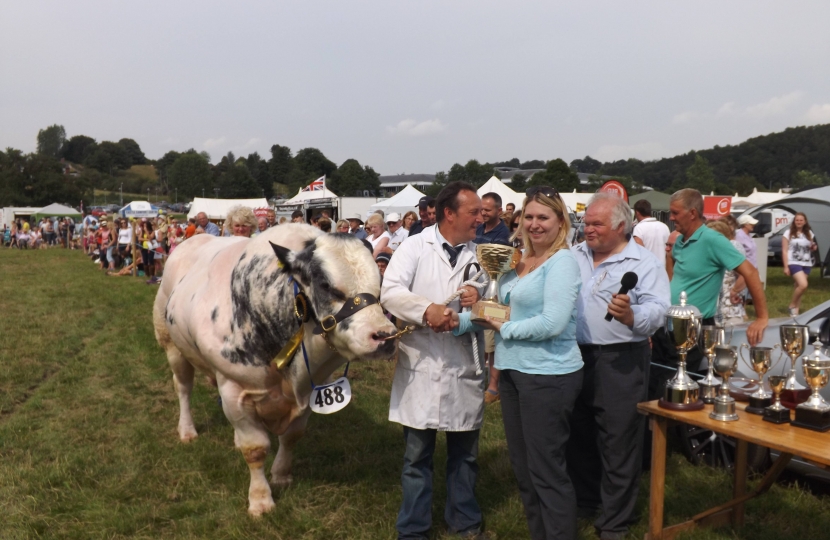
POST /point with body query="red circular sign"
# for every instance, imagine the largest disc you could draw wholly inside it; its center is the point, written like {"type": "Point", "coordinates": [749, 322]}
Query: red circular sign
{"type": "Point", "coordinates": [615, 188]}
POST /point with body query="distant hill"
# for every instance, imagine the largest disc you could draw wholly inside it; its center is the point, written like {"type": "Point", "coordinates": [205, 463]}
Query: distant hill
{"type": "Point", "coordinates": [773, 160]}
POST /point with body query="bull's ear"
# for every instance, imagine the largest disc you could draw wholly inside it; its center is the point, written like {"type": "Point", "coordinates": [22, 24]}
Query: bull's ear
{"type": "Point", "coordinates": [282, 255]}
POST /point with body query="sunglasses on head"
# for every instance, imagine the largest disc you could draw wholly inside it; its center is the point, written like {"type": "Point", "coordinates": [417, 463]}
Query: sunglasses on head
{"type": "Point", "coordinates": [547, 191]}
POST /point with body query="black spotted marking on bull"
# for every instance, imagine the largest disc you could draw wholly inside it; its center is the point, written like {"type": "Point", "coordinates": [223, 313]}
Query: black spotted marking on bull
{"type": "Point", "coordinates": [170, 320]}
{"type": "Point", "coordinates": [262, 318]}
{"type": "Point", "coordinates": [214, 313]}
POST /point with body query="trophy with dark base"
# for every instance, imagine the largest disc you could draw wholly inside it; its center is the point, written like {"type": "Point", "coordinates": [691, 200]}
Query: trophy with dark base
{"type": "Point", "coordinates": [760, 361]}
{"type": "Point", "coordinates": [709, 337]}
{"type": "Point", "coordinates": [777, 413]}
{"type": "Point", "coordinates": [496, 260]}
{"type": "Point", "coordinates": [683, 326]}
{"type": "Point", "coordinates": [815, 412]}
{"type": "Point", "coordinates": [725, 364]}
{"type": "Point", "coordinates": [794, 340]}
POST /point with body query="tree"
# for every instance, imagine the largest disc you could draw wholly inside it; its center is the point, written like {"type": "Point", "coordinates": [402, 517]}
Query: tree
{"type": "Point", "coordinates": [803, 179]}
{"type": "Point", "coordinates": [137, 157]}
{"type": "Point", "coordinates": [699, 176]}
{"type": "Point", "coordinates": [586, 165]}
{"type": "Point", "coordinates": [558, 175]}
{"type": "Point", "coordinates": [350, 179]}
{"type": "Point", "coordinates": [37, 179]}
{"type": "Point", "coordinates": [438, 184]}
{"type": "Point", "coordinates": [259, 169]}
{"type": "Point", "coordinates": [314, 163]}
{"type": "Point", "coordinates": [76, 147]}
{"type": "Point", "coordinates": [237, 183]}
{"type": "Point", "coordinates": [518, 183]}
{"type": "Point", "coordinates": [50, 141]}
{"type": "Point", "coordinates": [473, 173]}
{"type": "Point", "coordinates": [190, 174]}
{"type": "Point", "coordinates": [280, 164]}
{"type": "Point", "coordinates": [109, 157]}
{"type": "Point", "coordinates": [744, 185]}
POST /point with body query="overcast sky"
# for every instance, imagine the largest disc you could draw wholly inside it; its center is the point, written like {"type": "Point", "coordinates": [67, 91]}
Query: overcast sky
{"type": "Point", "coordinates": [414, 86]}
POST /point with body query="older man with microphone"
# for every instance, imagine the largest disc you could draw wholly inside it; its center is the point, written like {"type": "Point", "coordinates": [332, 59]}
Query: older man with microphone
{"type": "Point", "coordinates": [624, 298]}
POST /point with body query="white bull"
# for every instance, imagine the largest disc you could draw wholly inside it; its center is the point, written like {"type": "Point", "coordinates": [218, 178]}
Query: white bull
{"type": "Point", "coordinates": [226, 307]}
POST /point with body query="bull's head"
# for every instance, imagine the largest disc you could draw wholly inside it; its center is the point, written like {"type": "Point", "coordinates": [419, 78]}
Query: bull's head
{"type": "Point", "coordinates": [341, 280]}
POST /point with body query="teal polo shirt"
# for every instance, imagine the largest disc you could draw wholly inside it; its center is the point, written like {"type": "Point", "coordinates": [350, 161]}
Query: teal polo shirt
{"type": "Point", "coordinates": [699, 264]}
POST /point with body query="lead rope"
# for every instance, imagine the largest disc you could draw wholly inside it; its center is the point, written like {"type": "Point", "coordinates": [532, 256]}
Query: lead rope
{"type": "Point", "coordinates": [473, 282]}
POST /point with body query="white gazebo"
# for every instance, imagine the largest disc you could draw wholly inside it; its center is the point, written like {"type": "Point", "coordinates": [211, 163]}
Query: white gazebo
{"type": "Point", "coordinates": [494, 185]}
{"type": "Point", "coordinates": [302, 196]}
{"type": "Point", "coordinates": [217, 209]}
{"type": "Point", "coordinates": [404, 201]}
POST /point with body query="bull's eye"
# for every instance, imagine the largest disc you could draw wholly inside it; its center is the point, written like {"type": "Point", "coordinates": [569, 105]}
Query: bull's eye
{"type": "Point", "coordinates": [325, 286]}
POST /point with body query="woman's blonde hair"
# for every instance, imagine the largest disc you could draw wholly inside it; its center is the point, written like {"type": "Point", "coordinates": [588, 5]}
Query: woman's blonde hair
{"type": "Point", "coordinates": [559, 209]}
{"type": "Point", "coordinates": [721, 227]}
{"type": "Point", "coordinates": [375, 218]}
{"type": "Point", "coordinates": [241, 215]}
{"type": "Point", "coordinates": [341, 223]}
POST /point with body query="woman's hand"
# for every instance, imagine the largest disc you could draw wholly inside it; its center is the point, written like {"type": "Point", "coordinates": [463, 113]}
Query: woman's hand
{"type": "Point", "coordinates": [490, 324]}
{"type": "Point", "coordinates": [786, 270]}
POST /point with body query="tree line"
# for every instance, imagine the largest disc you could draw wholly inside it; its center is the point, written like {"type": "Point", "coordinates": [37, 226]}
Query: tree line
{"type": "Point", "coordinates": [68, 170]}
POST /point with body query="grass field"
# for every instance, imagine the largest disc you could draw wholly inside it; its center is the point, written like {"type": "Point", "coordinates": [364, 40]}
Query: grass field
{"type": "Point", "coordinates": [88, 445]}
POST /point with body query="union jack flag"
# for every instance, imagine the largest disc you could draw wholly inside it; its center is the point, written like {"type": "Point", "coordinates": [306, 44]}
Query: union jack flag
{"type": "Point", "coordinates": [317, 185]}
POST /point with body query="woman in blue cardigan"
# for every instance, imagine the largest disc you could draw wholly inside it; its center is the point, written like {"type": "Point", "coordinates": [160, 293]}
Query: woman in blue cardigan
{"type": "Point", "coordinates": [540, 363]}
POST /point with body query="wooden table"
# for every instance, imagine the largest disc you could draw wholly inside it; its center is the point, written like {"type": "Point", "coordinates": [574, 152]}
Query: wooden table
{"type": "Point", "coordinates": [750, 428]}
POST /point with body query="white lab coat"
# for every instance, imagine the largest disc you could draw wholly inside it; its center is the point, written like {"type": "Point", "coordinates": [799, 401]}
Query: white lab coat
{"type": "Point", "coordinates": [435, 384]}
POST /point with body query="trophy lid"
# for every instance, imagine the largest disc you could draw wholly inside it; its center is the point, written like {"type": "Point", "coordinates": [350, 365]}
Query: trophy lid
{"type": "Point", "coordinates": [683, 311]}
{"type": "Point", "coordinates": [816, 358]}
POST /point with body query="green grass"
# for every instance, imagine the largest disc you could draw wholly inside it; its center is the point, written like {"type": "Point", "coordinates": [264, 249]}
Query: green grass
{"type": "Point", "coordinates": [779, 291]}
{"type": "Point", "coordinates": [88, 446]}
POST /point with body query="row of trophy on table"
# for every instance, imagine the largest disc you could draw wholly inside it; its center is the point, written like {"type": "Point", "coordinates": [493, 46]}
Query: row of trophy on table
{"type": "Point", "coordinates": [683, 324]}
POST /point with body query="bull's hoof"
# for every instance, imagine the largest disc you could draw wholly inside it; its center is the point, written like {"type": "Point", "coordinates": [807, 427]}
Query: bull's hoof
{"type": "Point", "coordinates": [187, 435]}
{"type": "Point", "coordinates": [257, 508]}
{"type": "Point", "coordinates": [281, 482]}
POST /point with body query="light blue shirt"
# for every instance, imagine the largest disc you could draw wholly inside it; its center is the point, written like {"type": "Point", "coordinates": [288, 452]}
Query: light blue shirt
{"type": "Point", "coordinates": [211, 228]}
{"type": "Point", "coordinates": [540, 337]}
{"type": "Point", "coordinates": [650, 298]}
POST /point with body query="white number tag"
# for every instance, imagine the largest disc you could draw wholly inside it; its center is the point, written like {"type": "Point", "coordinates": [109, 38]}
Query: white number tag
{"type": "Point", "coordinates": [330, 399]}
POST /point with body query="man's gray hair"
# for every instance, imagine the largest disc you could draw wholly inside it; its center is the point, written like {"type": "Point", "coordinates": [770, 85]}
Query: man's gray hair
{"type": "Point", "coordinates": [620, 211]}
{"type": "Point", "coordinates": [691, 199]}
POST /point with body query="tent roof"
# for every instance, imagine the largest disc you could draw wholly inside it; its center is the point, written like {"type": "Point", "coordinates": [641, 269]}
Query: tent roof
{"type": "Point", "coordinates": [659, 200]}
{"type": "Point", "coordinates": [56, 209]}
{"type": "Point", "coordinates": [218, 208]}
{"type": "Point", "coordinates": [301, 196]}
{"type": "Point", "coordinates": [139, 209]}
{"type": "Point", "coordinates": [403, 201]}
{"type": "Point", "coordinates": [494, 185]}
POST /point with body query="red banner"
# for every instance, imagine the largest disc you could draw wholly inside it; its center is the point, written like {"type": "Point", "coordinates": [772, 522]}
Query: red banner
{"type": "Point", "coordinates": [615, 188]}
{"type": "Point", "coordinates": [716, 207]}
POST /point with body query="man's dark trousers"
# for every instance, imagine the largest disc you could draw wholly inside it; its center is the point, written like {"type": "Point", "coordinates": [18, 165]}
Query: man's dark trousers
{"type": "Point", "coordinates": [605, 449]}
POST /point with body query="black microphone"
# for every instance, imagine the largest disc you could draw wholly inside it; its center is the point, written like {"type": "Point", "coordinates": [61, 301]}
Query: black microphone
{"type": "Point", "coordinates": [628, 282]}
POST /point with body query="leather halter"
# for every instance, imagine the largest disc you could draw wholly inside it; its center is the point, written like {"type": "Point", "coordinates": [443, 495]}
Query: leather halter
{"type": "Point", "coordinates": [350, 307]}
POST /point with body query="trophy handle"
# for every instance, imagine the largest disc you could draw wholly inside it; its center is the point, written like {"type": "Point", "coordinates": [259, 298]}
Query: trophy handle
{"type": "Point", "coordinates": [780, 355]}
{"type": "Point", "coordinates": [741, 355]}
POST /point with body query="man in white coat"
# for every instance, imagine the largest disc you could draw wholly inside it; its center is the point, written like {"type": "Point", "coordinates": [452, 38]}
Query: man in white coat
{"type": "Point", "coordinates": [435, 387]}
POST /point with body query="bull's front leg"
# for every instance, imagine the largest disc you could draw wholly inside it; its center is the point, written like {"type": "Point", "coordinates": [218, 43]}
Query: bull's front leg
{"type": "Point", "coordinates": [251, 438]}
{"type": "Point", "coordinates": [281, 469]}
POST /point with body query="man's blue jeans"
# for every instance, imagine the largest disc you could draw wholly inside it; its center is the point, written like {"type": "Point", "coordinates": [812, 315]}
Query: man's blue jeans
{"type": "Point", "coordinates": [462, 512]}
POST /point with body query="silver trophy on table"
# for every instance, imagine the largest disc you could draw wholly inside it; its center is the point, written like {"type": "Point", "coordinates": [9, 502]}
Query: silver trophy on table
{"type": "Point", "coordinates": [777, 413]}
{"type": "Point", "coordinates": [794, 340]}
{"type": "Point", "coordinates": [760, 361]}
{"type": "Point", "coordinates": [710, 336]}
{"type": "Point", "coordinates": [815, 412]}
{"type": "Point", "coordinates": [683, 326]}
{"type": "Point", "coordinates": [726, 362]}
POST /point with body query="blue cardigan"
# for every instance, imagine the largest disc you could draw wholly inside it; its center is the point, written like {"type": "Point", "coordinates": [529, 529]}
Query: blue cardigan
{"type": "Point", "coordinates": [540, 337]}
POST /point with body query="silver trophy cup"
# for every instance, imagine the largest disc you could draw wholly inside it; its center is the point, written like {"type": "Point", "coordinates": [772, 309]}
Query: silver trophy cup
{"type": "Point", "coordinates": [725, 364]}
{"type": "Point", "coordinates": [710, 336]}
{"type": "Point", "coordinates": [683, 327]}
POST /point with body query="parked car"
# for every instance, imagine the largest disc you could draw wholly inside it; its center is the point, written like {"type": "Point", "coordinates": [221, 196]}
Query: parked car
{"type": "Point", "coordinates": [98, 211]}
{"type": "Point", "coordinates": [709, 447]}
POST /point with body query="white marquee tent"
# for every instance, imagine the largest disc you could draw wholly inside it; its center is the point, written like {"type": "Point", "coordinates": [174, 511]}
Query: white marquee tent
{"type": "Point", "coordinates": [218, 208]}
{"type": "Point", "coordinates": [756, 198]}
{"type": "Point", "coordinates": [494, 185]}
{"type": "Point", "coordinates": [139, 209]}
{"type": "Point", "coordinates": [301, 196]}
{"type": "Point", "coordinates": [404, 201]}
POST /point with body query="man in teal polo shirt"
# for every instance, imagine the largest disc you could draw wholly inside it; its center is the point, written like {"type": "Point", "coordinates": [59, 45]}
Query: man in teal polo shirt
{"type": "Point", "coordinates": [702, 256]}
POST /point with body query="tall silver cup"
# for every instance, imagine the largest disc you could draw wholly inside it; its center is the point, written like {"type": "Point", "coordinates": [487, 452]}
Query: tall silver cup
{"type": "Point", "coordinates": [710, 336]}
{"type": "Point", "coordinates": [725, 364]}
{"type": "Point", "coordinates": [683, 327]}
{"type": "Point", "coordinates": [794, 339]}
